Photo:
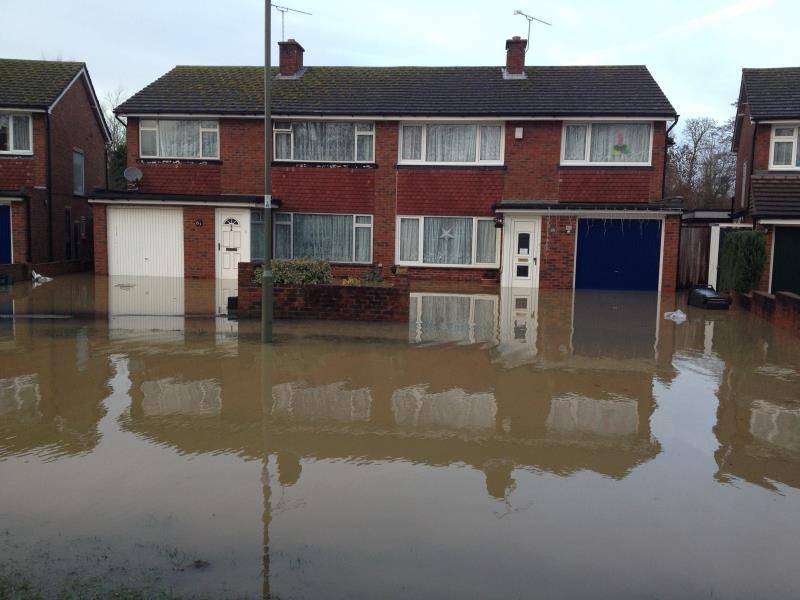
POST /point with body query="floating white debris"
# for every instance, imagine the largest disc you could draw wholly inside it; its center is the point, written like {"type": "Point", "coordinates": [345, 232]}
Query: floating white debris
{"type": "Point", "coordinates": [678, 316]}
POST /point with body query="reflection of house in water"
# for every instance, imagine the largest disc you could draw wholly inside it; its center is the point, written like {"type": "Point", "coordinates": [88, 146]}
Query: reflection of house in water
{"type": "Point", "coordinates": [52, 385]}
{"type": "Point", "coordinates": [758, 417]}
{"type": "Point", "coordinates": [169, 396]}
{"type": "Point", "coordinates": [337, 398]}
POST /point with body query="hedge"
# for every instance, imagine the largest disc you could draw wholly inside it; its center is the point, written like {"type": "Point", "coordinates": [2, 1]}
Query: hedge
{"type": "Point", "coordinates": [298, 271]}
{"type": "Point", "coordinates": [741, 261]}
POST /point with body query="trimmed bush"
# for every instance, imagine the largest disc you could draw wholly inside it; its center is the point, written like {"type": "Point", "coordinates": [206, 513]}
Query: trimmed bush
{"type": "Point", "coordinates": [741, 261]}
{"type": "Point", "coordinates": [298, 271]}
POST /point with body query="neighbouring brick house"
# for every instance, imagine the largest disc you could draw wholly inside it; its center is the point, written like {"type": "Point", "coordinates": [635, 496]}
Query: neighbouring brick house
{"type": "Point", "coordinates": [545, 177]}
{"type": "Point", "coordinates": [767, 145]}
{"type": "Point", "coordinates": [52, 152]}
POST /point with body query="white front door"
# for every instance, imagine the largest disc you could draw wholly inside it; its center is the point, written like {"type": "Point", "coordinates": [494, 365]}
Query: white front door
{"type": "Point", "coordinates": [521, 252]}
{"type": "Point", "coordinates": [233, 241]}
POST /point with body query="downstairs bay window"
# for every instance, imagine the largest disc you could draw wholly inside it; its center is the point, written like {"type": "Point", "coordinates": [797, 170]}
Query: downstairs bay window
{"type": "Point", "coordinates": [324, 141]}
{"type": "Point", "coordinates": [784, 142]}
{"type": "Point", "coordinates": [332, 237]}
{"type": "Point", "coordinates": [167, 138]}
{"type": "Point", "coordinates": [606, 144]}
{"type": "Point", "coordinates": [447, 242]}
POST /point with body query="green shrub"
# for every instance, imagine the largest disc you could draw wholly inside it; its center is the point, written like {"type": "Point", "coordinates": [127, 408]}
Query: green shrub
{"type": "Point", "coordinates": [373, 276]}
{"type": "Point", "coordinates": [351, 281]}
{"type": "Point", "coordinates": [300, 271]}
{"type": "Point", "coordinates": [741, 261]}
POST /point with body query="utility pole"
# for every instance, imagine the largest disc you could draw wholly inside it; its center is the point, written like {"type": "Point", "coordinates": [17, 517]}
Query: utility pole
{"type": "Point", "coordinates": [267, 283]}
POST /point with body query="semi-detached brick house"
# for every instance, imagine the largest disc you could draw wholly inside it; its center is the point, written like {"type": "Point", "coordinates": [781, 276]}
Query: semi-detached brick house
{"type": "Point", "coordinates": [546, 176]}
{"type": "Point", "coordinates": [767, 145]}
{"type": "Point", "coordinates": [52, 152]}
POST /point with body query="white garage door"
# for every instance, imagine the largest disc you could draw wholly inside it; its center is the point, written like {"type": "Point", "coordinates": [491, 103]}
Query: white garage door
{"type": "Point", "coordinates": [145, 241]}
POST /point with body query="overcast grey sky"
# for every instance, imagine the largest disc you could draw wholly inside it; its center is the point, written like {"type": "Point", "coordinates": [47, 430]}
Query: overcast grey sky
{"type": "Point", "coordinates": [694, 48]}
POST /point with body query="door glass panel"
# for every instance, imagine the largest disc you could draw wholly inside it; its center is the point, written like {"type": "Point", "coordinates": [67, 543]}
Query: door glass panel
{"type": "Point", "coordinates": [522, 270]}
{"type": "Point", "coordinates": [524, 243]}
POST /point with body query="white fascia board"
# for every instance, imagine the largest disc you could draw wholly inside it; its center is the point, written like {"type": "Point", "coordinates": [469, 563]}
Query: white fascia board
{"type": "Point", "coordinates": [600, 214]}
{"type": "Point", "coordinates": [779, 221]}
{"type": "Point", "coordinates": [174, 203]}
{"type": "Point", "coordinates": [22, 110]}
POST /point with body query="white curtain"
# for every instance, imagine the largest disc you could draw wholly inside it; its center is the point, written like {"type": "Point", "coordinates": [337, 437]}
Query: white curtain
{"type": "Point", "coordinates": [363, 244]}
{"type": "Point", "coordinates": [486, 252]}
{"type": "Point", "coordinates": [179, 139]}
{"type": "Point", "coordinates": [451, 143]}
{"type": "Point", "coordinates": [575, 142]}
{"type": "Point", "coordinates": [447, 241]}
{"type": "Point", "coordinates": [782, 155]}
{"type": "Point", "coordinates": [490, 142]}
{"type": "Point", "coordinates": [412, 142]}
{"type": "Point", "coordinates": [409, 240]}
{"type": "Point", "coordinates": [444, 318]}
{"type": "Point", "coordinates": [618, 142]}
{"type": "Point", "coordinates": [283, 146]}
{"type": "Point", "coordinates": [324, 141]}
{"type": "Point", "coordinates": [209, 139]}
{"type": "Point", "coordinates": [326, 237]}
{"type": "Point", "coordinates": [283, 240]}
{"type": "Point", "coordinates": [5, 139]}
{"type": "Point", "coordinates": [22, 137]}
{"type": "Point", "coordinates": [257, 234]}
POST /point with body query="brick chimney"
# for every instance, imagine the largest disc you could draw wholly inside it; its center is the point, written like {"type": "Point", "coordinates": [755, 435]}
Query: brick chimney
{"type": "Point", "coordinates": [291, 57]}
{"type": "Point", "coordinates": [515, 56]}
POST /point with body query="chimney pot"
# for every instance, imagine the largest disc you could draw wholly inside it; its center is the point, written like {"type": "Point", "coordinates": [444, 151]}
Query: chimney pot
{"type": "Point", "coordinates": [290, 57]}
{"type": "Point", "coordinates": [515, 55]}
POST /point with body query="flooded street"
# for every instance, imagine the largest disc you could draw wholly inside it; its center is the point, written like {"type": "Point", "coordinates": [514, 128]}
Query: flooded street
{"type": "Point", "coordinates": [516, 445]}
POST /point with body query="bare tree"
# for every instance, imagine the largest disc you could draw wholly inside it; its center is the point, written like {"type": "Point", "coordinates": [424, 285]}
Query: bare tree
{"type": "Point", "coordinates": [701, 166]}
{"type": "Point", "coordinates": [117, 148]}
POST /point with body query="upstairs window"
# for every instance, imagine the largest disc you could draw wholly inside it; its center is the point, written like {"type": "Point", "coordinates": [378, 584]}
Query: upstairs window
{"type": "Point", "coordinates": [324, 141]}
{"type": "Point", "coordinates": [78, 176]}
{"type": "Point", "coordinates": [15, 133]}
{"type": "Point", "coordinates": [606, 144]}
{"type": "Point", "coordinates": [783, 153]}
{"type": "Point", "coordinates": [178, 139]}
{"type": "Point", "coordinates": [451, 143]}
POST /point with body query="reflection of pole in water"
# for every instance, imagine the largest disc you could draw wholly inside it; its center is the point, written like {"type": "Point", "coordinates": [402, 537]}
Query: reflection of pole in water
{"type": "Point", "coordinates": [265, 519]}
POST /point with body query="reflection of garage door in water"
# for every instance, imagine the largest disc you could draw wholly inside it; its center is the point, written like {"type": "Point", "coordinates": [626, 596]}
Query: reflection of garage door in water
{"type": "Point", "coordinates": [618, 254]}
{"type": "Point", "coordinates": [145, 241]}
{"type": "Point", "coordinates": [786, 260]}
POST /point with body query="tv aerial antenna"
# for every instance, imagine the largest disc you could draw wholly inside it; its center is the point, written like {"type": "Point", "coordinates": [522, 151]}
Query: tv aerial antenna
{"type": "Point", "coordinates": [283, 10]}
{"type": "Point", "coordinates": [530, 19]}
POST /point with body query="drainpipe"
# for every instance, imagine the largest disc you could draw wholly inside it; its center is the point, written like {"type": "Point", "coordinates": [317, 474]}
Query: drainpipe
{"type": "Point", "coordinates": [666, 153]}
{"type": "Point", "coordinates": [746, 207]}
{"type": "Point", "coordinates": [49, 188]}
{"type": "Point", "coordinates": [28, 236]}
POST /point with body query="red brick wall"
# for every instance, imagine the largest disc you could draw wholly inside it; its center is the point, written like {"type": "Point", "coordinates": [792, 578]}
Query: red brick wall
{"type": "Point", "coordinates": [557, 253]}
{"type": "Point", "coordinates": [761, 151]}
{"type": "Point", "coordinates": [532, 163]}
{"type": "Point", "coordinates": [19, 231]}
{"type": "Point", "coordinates": [781, 309]}
{"type": "Point", "coordinates": [669, 265]}
{"type": "Point", "coordinates": [199, 243]}
{"type": "Point", "coordinates": [769, 238]}
{"type": "Point", "coordinates": [100, 239]}
{"type": "Point", "coordinates": [74, 125]}
{"type": "Point", "coordinates": [329, 302]}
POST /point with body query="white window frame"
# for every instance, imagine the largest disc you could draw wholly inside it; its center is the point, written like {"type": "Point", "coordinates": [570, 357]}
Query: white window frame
{"type": "Point", "coordinates": [586, 161]}
{"type": "Point", "coordinates": [423, 151]}
{"type": "Point", "coordinates": [276, 130]}
{"type": "Point", "coordinates": [795, 139]}
{"type": "Point", "coordinates": [11, 114]}
{"type": "Point", "coordinates": [201, 131]}
{"type": "Point", "coordinates": [421, 249]}
{"type": "Point", "coordinates": [82, 192]}
{"type": "Point", "coordinates": [356, 225]}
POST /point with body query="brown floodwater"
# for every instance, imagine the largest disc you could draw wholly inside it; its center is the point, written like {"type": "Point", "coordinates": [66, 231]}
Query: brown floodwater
{"type": "Point", "coordinates": [510, 444]}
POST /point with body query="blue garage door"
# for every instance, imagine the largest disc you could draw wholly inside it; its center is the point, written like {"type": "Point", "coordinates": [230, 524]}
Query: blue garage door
{"type": "Point", "coordinates": [5, 235]}
{"type": "Point", "coordinates": [618, 254]}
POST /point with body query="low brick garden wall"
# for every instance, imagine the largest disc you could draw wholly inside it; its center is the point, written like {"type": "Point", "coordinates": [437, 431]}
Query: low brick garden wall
{"type": "Point", "coordinates": [388, 302]}
{"type": "Point", "coordinates": [781, 309]}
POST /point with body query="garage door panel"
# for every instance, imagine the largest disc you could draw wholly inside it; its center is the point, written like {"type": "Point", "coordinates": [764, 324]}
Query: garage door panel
{"type": "Point", "coordinates": [145, 241]}
{"type": "Point", "coordinates": [618, 254]}
{"type": "Point", "coordinates": [786, 260]}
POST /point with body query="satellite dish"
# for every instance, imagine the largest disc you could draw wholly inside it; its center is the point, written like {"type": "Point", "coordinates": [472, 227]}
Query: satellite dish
{"type": "Point", "coordinates": [132, 174]}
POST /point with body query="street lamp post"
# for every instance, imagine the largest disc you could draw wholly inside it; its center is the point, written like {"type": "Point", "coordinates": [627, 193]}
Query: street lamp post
{"type": "Point", "coordinates": [267, 283]}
